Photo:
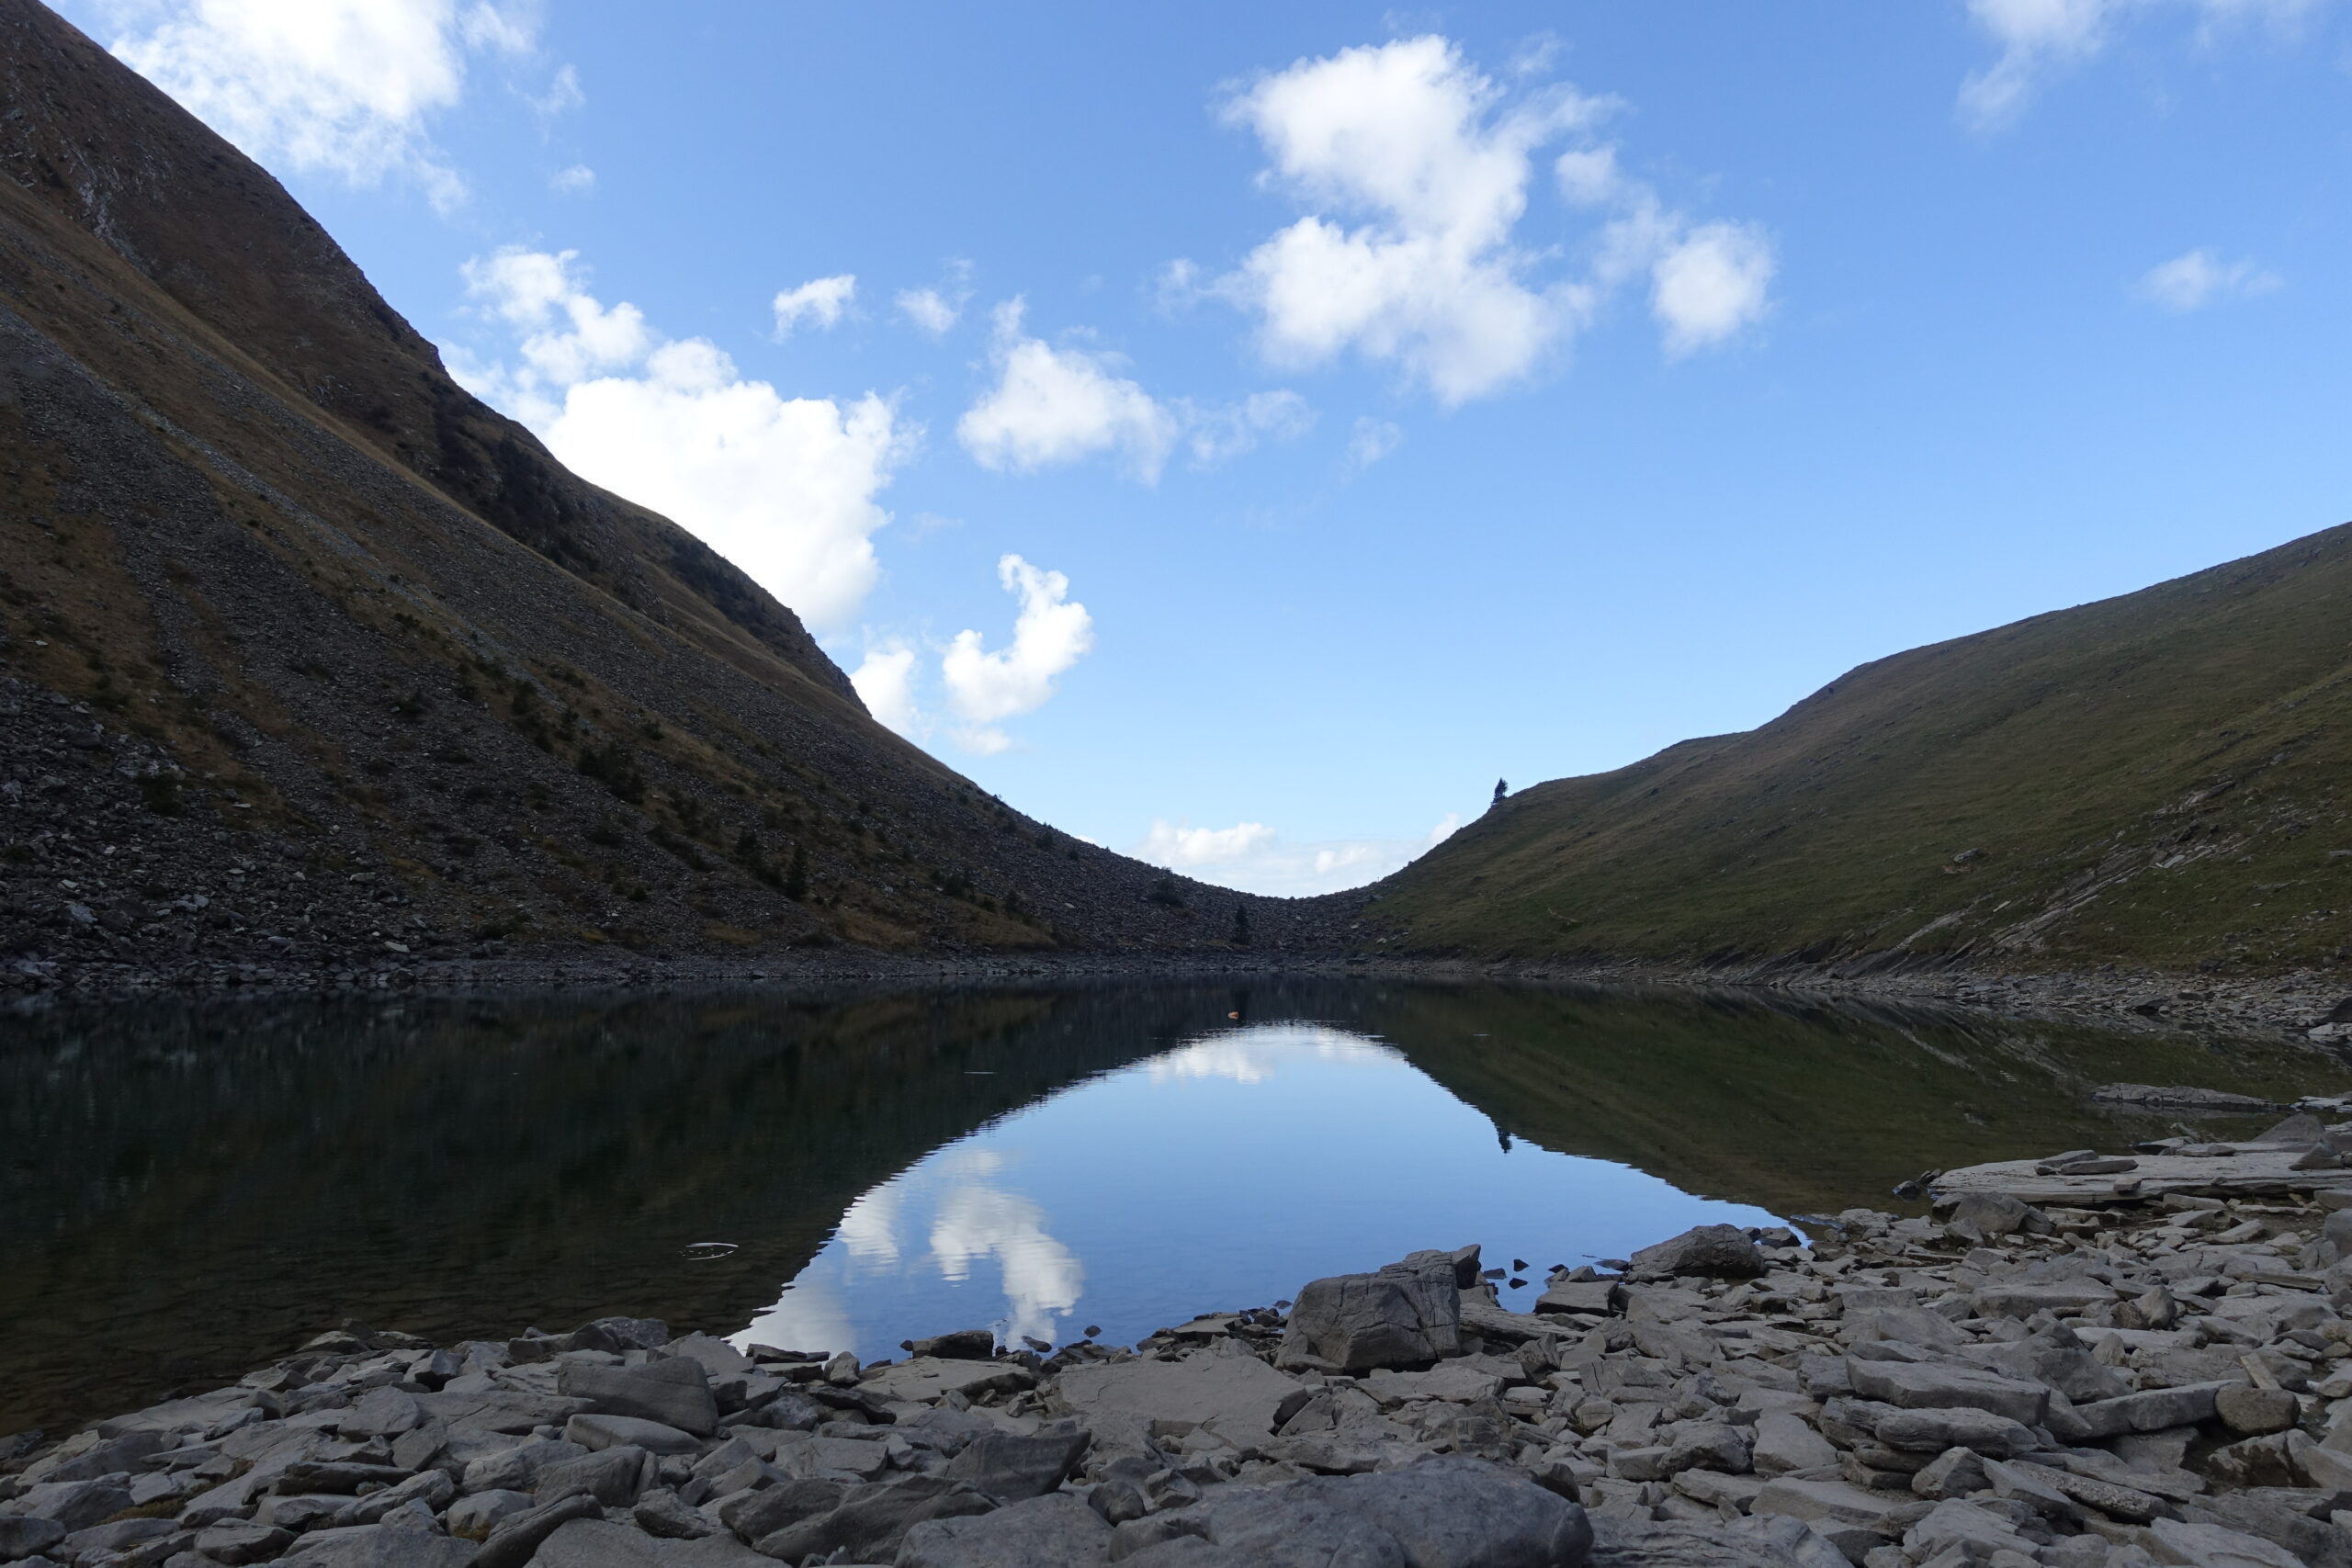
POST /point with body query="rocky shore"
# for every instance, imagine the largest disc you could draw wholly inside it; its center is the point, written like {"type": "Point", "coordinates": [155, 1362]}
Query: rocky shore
{"type": "Point", "coordinates": [2151, 1379]}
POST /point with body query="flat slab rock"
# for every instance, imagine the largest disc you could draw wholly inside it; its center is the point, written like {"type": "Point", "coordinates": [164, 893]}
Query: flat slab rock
{"type": "Point", "coordinates": [1233, 1396]}
{"type": "Point", "coordinates": [2254, 1169]}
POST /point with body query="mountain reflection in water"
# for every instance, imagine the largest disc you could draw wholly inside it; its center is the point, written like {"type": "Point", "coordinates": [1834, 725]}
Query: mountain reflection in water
{"type": "Point", "coordinates": [191, 1190]}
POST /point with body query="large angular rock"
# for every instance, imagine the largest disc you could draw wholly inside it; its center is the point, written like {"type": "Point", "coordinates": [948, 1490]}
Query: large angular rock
{"type": "Point", "coordinates": [714, 1355]}
{"type": "Point", "coordinates": [199, 1413]}
{"type": "Point", "coordinates": [23, 1536]}
{"type": "Point", "coordinates": [594, 1543]}
{"type": "Point", "coordinates": [1057, 1531]}
{"type": "Point", "coordinates": [378, 1546]}
{"type": "Point", "coordinates": [755, 1515]}
{"type": "Point", "coordinates": [614, 1477]}
{"type": "Point", "coordinates": [1447, 1512]}
{"type": "Point", "coordinates": [674, 1392]}
{"type": "Point", "coordinates": [73, 1505]}
{"type": "Point", "coordinates": [925, 1379]}
{"type": "Point", "coordinates": [2151, 1410]}
{"type": "Point", "coordinates": [111, 1456]}
{"type": "Point", "coordinates": [1931, 1386]}
{"type": "Point", "coordinates": [381, 1413]}
{"type": "Point", "coordinates": [1640, 1543]}
{"type": "Point", "coordinates": [1934, 1431]}
{"type": "Point", "coordinates": [1404, 1315]}
{"type": "Point", "coordinates": [1235, 1396]}
{"type": "Point", "coordinates": [1785, 1442]}
{"type": "Point", "coordinates": [873, 1520]}
{"type": "Point", "coordinates": [596, 1432]}
{"type": "Point", "coordinates": [512, 1543]}
{"type": "Point", "coordinates": [2215, 1546]}
{"type": "Point", "coordinates": [500, 1409]}
{"type": "Point", "coordinates": [1716, 1252]}
{"type": "Point", "coordinates": [1010, 1469]}
{"type": "Point", "coordinates": [1828, 1502]}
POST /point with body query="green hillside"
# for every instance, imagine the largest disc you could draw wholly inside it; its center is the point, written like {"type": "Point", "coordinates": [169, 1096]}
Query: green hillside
{"type": "Point", "coordinates": [2156, 779]}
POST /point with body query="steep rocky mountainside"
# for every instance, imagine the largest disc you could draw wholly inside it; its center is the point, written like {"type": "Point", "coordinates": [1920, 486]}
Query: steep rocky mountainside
{"type": "Point", "coordinates": [306, 655]}
{"type": "Point", "coordinates": [2158, 779]}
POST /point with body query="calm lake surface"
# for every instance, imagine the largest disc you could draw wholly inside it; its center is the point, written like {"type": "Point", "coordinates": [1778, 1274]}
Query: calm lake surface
{"type": "Point", "coordinates": [189, 1191]}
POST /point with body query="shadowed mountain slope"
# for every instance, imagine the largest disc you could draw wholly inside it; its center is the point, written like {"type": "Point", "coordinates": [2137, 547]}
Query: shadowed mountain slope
{"type": "Point", "coordinates": [304, 651]}
{"type": "Point", "coordinates": [2156, 779]}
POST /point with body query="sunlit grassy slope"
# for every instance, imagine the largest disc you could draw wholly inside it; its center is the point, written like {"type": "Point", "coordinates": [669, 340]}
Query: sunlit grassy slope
{"type": "Point", "coordinates": [2157, 779]}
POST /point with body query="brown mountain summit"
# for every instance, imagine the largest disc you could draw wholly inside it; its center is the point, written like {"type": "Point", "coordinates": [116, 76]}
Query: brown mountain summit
{"type": "Point", "coordinates": [307, 654]}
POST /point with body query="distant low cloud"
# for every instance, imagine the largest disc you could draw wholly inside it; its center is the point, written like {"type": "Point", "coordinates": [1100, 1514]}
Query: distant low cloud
{"type": "Point", "coordinates": [784, 487]}
{"type": "Point", "coordinates": [1253, 858]}
{"type": "Point", "coordinates": [345, 88]}
{"type": "Point", "coordinates": [1415, 169]}
{"type": "Point", "coordinates": [2042, 39]}
{"type": "Point", "coordinates": [577, 180]}
{"type": "Point", "coordinates": [821, 301]}
{"type": "Point", "coordinates": [885, 682]}
{"type": "Point", "coordinates": [2197, 278]}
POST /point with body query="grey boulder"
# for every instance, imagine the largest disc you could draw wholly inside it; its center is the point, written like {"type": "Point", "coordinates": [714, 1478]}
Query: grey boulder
{"type": "Point", "coordinates": [379, 1546]}
{"type": "Point", "coordinates": [598, 1432]}
{"type": "Point", "coordinates": [21, 1535]}
{"type": "Point", "coordinates": [517, 1537]}
{"type": "Point", "coordinates": [1010, 1469]}
{"type": "Point", "coordinates": [1446, 1512]}
{"type": "Point", "coordinates": [1053, 1531]}
{"type": "Point", "coordinates": [675, 1392]}
{"type": "Point", "coordinates": [1404, 1315]}
{"type": "Point", "coordinates": [613, 1477]}
{"type": "Point", "coordinates": [594, 1543]}
{"type": "Point", "coordinates": [1627, 1543]}
{"type": "Point", "coordinates": [73, 1505]}
{"type": "Point", "coordinates": [871, 1522]}
{"type": "Point", "coordinates": [1716, 1252]}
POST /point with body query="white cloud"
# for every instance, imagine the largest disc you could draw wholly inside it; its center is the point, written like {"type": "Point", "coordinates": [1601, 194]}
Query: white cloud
{"type": "Point", "coordinates": [577, 180]}
{"type": "Point", "coordinates": [935, 310]}
{"type": "Point", "coordinates": [1052, 406]}
{"type": "Point", "coordinates": [1423, 149]}
{"type": "Point", "coordinates": [1051, 633]}
{"type": "Point", "coordinates": [563, 94]}
{"type": "Point", "coordinates": [1253, 858]}
{"type": "Point", "coordinates": [2199, 277]}
{"type": "Point", "coordinates": [929, 310]}
{"type": "Point", "coordinates": [822, 301]}
{"type": "Point", "coordinates": [1711, 283]}
{"type": "Point", "coordinates": [782, 487]}
{"type": "Point", "coordinates": [1042, 1278]}
{"type": "Point", "coordinates": [885, 683]}
{"type": "Point", "coordinates": [1058, 405]}
{"type": "Point", "coordinates": [1431, 162]}
{"type": "Point", "coordinates": [343, 86]}
{"type": "Point", "coordinates": [1256, 1055]}
{"type": "Point", "coordinates": [1371, 440]}
{"type": "Point", "coordinates": [2040, 37]}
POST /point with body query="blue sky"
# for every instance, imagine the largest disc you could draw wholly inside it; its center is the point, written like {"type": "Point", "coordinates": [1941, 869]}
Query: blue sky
{"type": "Point", "coordinates": [1242, 434]}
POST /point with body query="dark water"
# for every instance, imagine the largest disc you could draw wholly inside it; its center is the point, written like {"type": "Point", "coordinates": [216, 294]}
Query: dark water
{"type": "Point", "coordinates": [189, 1191]}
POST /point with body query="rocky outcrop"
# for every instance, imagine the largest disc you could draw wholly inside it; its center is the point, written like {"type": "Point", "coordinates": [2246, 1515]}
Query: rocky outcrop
{"type": "Point", "coordinates": [2156, 1381]}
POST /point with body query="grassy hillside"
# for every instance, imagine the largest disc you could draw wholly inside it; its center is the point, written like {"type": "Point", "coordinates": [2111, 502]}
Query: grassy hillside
{"type": "Point", "coordinates": [307, 654]}
{"type": "Point", "coordinates": [2158, 779]}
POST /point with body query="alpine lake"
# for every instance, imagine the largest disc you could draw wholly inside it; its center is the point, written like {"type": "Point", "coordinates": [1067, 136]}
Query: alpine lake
{"type": "Point", "coordinates": [189, 1190]}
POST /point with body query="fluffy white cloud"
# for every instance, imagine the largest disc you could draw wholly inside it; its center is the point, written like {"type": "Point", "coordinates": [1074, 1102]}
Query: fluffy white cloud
{"type": "Point", "coordinates": [345, 86]}
{"type": "Point", "coordinates": [822, 301]}
{"type": "Point", "coordinates": [1255, 1054]}
{"type": "Point", "coordinates": [1051, 406]}
{"type": "Point", "coordinates": [1710, 284]}
{"type": "Point", "coordinates": [1058, 405]}
{"type": "Point", "coordinates": [1052, 633]}
{"type": "Point", "coordinates": [1416, 167]}
{"type": "Point", "coordinates": [1252, 857]}
{"type": "Point", "coordinates": [2199, 277]}
{"type": "Point", "coordinates": [929, 310]}
{"type": "Point", "coordinates": [2039, 38]}
{"type": "Point", "coordinates": [1424, 149]}
{"type": "Point", "coordinates": [577, 180]}
{"type": "Point", "coordinates": [886, 685]}
{"type": "Point", "coordinates": [934, 310]}
{"type": "Point", "coordinates": [782, 487]}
